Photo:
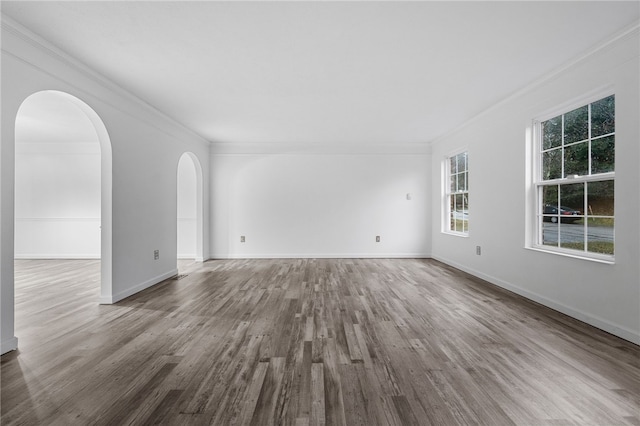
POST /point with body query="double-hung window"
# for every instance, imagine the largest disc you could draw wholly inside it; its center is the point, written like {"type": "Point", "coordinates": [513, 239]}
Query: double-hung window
{"type": "Point", "coordinates": [576, 179]}
{"type": "Point", "coordinates": [457, 194]}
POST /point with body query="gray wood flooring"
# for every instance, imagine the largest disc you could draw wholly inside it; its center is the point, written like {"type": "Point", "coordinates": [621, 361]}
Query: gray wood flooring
{"type": "Point", "coordinates": [306, 342]}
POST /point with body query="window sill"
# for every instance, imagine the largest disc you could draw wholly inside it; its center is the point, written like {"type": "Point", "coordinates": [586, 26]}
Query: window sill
{"type": "Point", "coordinates": [456, 234]}
{"type": "Point", "coordinates": [603, 259]}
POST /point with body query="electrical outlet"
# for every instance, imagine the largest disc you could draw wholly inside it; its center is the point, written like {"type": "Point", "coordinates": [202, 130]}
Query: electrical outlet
{"type": "Point", "coordinates": [156, 254]}
{"type": "Point", "coordinates": [377, 238]}
{"type": "Point", "coordinates": [242, 238]}
{"type": "Point", "coordinates": [478, 250]}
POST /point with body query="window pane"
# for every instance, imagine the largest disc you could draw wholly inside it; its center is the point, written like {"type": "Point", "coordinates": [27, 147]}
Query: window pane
{"type": "Point", "coordinates": [552, 164]}
{"type": "Point", "coordinates": [453, 165]}
{"type": "Point", "coordinates": [576, 125]}
{"type": "Point", "coordinates": [600, 198]}
{"type": "Point", "coordinates": [454, 183]}
{"type": "Point", "coordinates": [571, 201]}
{"type": "Point", "coordinates": [465, 218]}
{"type": "Point", "coordinates": [462, 181]}
{"type": "Point", "coordinates": [600, 235]}
{"type": "Point", "coordinates": [550, 234]}
{"type": "Point", "coordinates": [603, 117]}
{"type": "Point", "coordinates": [572, 243]}
{"type": "Point", "coordinates": [550, 203]}
{"type": "Point", "coordinates": [571, 234]}
{"type": "Point", "coordinates": [452, 213]}
{"type": "Point", "coordinates": [576, 159]}
{"type": "Point", "coordinates": [459, 203]}
{"type": "Point", "coordinates": [552, 133]}
{"type": "Point", "coordinates": [603, 155]}
{"type": "Point", "coordinates": [459, 212]}
{"type": "Point", "coordinates": [462, 162]}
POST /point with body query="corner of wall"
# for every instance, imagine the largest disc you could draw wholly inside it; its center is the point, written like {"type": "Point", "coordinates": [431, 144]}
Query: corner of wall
{"type": "Point", "coordinates": [8, 345]}
{"type": "Point", "coordinates": [109, 300]}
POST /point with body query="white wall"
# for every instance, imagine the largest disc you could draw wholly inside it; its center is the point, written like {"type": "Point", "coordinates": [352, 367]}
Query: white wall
{"type": "Point", "coordinates": [320, 205]}
{"type": "Point", "coordinates": [145, 148]}
{"type": "Point", "coordinates": [57, 202]}
{"type": "Point", "coordinates": [607, 296]}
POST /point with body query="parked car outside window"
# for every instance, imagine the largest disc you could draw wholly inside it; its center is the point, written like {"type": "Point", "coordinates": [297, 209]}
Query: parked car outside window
{"type": "Point", "coordinates": [567, 214]}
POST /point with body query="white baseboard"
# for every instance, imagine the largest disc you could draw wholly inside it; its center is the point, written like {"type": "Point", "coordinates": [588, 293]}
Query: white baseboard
{"type": "Point", "coordinates": [41, 256]}
{"type": "Point", "coordinates": [590, 319]}
{"type": "Point", "coordinates": [322, 256]}
{"type": "Point", "coordinates": [194, 258]}
{"type": "Point", "coordinates": [8, 345]}
{"type": "Point", "coordinates": [137, 288]}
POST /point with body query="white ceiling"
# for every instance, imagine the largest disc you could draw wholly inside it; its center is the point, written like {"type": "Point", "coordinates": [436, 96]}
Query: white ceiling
{"type": "Point", "coordinates": [323, 72]}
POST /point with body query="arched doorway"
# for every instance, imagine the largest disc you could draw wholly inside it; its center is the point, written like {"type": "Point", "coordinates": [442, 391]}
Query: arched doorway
{"type": "Point", "coordinates": [63, 183]}
{"type": "Point", "coordinates": [189, 208]}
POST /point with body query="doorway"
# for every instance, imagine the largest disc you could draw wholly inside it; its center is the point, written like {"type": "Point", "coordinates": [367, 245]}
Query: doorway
{"type": "Point", "coordinates": [189, 211]}
{"type": "Point", "coordinates": [63, 177]}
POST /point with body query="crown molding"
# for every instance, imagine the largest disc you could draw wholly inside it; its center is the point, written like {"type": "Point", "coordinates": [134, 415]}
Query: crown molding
{"type": "Point", "coordinates": [629, 31]}
{"type": "Point", "coordinates": [277, 148]}
{"type": "Point", "coordinates": [40, 44]}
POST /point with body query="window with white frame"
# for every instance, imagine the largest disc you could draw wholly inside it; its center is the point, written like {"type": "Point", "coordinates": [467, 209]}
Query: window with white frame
{"type": "Point", "coordinates": [457, 194]}
{"type": "Point", "coordinates": [576, 179]}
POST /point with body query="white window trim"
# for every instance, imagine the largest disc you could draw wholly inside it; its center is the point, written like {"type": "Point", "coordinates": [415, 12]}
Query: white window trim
{"type": "Point", "coordinates": [534, 239]}
{"type": "Point", "coordinates": [446, 186]}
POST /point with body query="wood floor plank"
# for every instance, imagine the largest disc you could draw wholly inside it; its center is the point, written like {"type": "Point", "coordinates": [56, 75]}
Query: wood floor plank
{"type": "Point", "coordinates": [306, 342]}
{"type": "Point", "coordinates": [334, 402]}
{"type": "Point", "coordinates": [317, 395]}
{"type": "Point", "coordinates": [265, 411]}
{"type": "Point", "coordinates": [253, 394]}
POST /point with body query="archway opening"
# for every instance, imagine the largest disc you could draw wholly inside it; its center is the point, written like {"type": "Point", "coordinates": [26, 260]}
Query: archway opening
{"type": "Point", "coordinates": [63, 179]}
{"type": "Point", "coordinates": [189, 211]}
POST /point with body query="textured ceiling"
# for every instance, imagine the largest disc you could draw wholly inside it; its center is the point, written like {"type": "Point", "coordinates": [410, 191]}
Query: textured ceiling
{"type": "Point", "coordinates": [323, 72]}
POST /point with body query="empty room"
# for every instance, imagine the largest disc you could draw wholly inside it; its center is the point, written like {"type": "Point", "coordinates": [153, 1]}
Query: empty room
{"type": "Point", "coordinates": [320, 213]}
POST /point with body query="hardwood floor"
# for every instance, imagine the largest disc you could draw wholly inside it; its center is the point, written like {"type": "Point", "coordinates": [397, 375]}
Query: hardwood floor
{"type": "Point", "coordinates": [306, 342]}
